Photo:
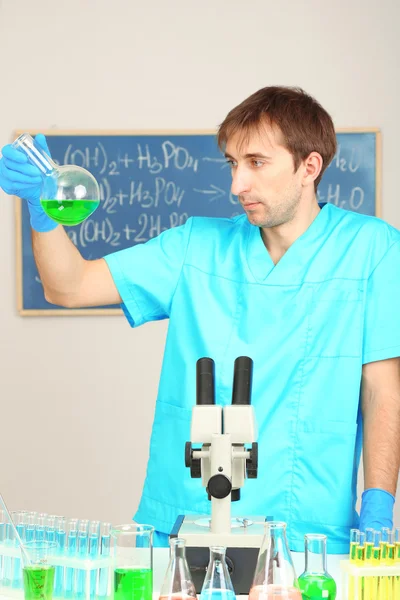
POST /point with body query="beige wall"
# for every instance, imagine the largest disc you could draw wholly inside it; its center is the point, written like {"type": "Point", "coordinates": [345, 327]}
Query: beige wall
{"type": "Point", "coordinates": [136, 65]}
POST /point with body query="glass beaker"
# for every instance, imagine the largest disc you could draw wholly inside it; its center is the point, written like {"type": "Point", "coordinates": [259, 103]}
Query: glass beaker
{"type": "Point", "coordinates": [69, 193]}
{"type": "Point", "coordinates": [275, 577]}
{"type": "Point", "coordinates": [316, 582]}
{"type": "Point", "coordinates": [133, 562]}
{"type": "Point", "coordinates": [38, 574]}
{"type": "Point", "coordinates": [177, 584]}
{"type": "Point", "coordinates": [217, 583]}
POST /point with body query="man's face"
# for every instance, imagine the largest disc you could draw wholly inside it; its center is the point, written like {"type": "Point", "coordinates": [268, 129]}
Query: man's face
{"type": "Point", "coordinates": [263, 177]}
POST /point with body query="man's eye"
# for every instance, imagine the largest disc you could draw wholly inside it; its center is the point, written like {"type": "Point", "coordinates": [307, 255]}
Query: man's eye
{"type": "Point", "coordinates": [231, 163]}
{"type": "Point", "coordinates": [258, 163]}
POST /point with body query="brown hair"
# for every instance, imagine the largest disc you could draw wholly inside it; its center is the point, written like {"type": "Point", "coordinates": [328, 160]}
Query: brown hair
{"type": "Point", "coordinates": [306, 127]}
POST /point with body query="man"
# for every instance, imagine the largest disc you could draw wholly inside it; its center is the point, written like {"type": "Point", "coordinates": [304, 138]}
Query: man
{"type": "Point", "coordinates": [310, 293]}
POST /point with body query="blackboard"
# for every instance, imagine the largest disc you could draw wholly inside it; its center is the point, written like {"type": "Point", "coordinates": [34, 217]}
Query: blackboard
{"type": "Point", "coordinates": [151, 181]}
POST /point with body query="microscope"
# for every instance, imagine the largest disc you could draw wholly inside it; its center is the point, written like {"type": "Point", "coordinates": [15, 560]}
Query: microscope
{"type": "Point", "coordinates": [222, 451]}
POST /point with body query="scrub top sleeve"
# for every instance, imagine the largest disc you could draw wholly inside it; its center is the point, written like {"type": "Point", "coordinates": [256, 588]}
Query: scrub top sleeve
{"type": "Point", "coordinates": [146, 275]}
{"type": "Point", "coordinates": [382, 315]}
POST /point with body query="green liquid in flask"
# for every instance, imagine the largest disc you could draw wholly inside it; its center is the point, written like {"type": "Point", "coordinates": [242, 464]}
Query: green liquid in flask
{"type": "Point", "coordinates": [69, 212]}
{"type": "Point", "coordinates": [317, 587]}
{"type": "Point", "coordinates": [38, 582]}
{"type": "Point", "coordinates": [133, 584]}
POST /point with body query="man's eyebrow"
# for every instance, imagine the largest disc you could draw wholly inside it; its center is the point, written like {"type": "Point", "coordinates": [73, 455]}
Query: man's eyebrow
{"type": "Point", "coordinates": [249, 155]}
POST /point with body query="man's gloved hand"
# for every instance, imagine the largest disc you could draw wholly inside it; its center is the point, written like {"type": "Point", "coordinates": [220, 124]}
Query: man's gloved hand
{"type": "Point", "coordinates": [376, 509]}
{"type": "Point", "coordinates": [18, 177]}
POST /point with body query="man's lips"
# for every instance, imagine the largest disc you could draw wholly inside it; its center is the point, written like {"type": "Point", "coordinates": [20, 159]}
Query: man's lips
{"type": "Point", "coordinates": [250, 204]}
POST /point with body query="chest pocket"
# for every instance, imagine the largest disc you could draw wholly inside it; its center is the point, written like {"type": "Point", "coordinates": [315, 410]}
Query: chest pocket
{"type": "Point", "coordinates": [336, 321]}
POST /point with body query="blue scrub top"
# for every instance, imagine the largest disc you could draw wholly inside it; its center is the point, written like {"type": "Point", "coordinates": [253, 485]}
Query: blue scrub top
{"type": "Point", "coordinates": [309, 323]}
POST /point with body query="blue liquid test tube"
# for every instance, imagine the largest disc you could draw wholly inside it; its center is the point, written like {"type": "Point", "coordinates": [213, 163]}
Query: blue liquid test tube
{"type": "Point", "coordinates": [50, 532]}
{"type": "Point", "coordinates": [94, 548]}
{"type": "Point", "coordinates": [21, 527]}
{"type": "Point", "coordinates": [41, 527]}
{"type": "Point", "coordinates": [72, 533]}
{"type": "Point", "coordinates": [60, 539]}
{"type": "Point", "coordinates": [82, 552]}
{"type": "Point", "coordinates": [105, 552]}
{"type": "Point", "coordinates": [2, 541]}
{"type": "Point", "coordinates": [30, 528]}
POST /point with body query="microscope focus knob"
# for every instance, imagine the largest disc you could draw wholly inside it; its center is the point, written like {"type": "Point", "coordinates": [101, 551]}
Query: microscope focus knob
{"type": "Point", "coordinates": [193, 463]}
{"type": "Point", "coordinates": [219, 486]}
{"type": "Point", "coordinates": [252, 462]}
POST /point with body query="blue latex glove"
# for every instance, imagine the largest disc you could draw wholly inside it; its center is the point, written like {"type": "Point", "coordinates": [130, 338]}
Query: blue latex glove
{"type": "Point", "coordinates": [18, 177]}
{"type": "Point", "coordinates": [376, 509]}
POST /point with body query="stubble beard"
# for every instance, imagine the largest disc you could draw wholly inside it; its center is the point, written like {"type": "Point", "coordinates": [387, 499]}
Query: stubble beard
{"type": "Point", "coordinates": [276, 215]}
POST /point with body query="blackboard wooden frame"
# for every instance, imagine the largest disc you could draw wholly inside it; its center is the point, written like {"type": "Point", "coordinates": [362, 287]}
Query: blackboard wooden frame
{"type": "Point", "coordinates": [117, 311]}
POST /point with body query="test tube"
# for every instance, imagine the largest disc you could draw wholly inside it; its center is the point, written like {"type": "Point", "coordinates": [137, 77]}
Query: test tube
{"type": "Point", "coordinates": [105, 551]}
{"type": "Point", "coordinates": [94, 547]}
{"type": "Point", "coordinates": [2, 541]}
{"type": "Point", "coordinates": [369, 550]}
{"type": "Point", "coordinates": [390, 557]}
{"type": "Point", "coordinates": [354, 541]}
{"type": "Point", "coordinates": [384, 581]}
{"type": "Point", "coordinates": [60, 539]}
{"type": "Point", "coordinates": [21, 527]}
{"type": "Point", "coordinates": [50, 531]}
{"type": "Point", "coordinates": [72, 532]}
{"type": "Point", "coordinates": [360, 561]}
{"type": "Point", "coordinates": [376, 559]}
{"type": "Point", "coordinates": [397, 561]}
{"type": "Point", "coordinates": [40, 527]}
{"type": "Point", "coordinates": [82, 551]}
{"type": "Point", "coordinates": [8, 563]}
{"type": "Point", "coordinates": [30, 528]}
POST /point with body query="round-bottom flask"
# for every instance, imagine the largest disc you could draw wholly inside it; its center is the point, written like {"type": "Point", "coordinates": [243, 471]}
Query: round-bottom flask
{"type": "Point", "coordinates": [69, 194]}
{"type": "Point", "coordinates": [316, 583]}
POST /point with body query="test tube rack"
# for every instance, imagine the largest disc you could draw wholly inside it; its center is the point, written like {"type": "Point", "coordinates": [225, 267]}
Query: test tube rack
{"type": "Point", "coordinates": [91, 573]}
{"type": "Point", "coordinates": [370, 582]}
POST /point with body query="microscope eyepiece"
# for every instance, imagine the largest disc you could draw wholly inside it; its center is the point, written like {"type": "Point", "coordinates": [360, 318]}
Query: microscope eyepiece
{"type": "Point", "coordinates": [205, 387]}
{"type": "Point", "coordinates": [242, 380]}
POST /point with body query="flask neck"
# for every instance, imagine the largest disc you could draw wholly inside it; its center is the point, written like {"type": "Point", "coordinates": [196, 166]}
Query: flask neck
{"type": "Point", "coordinates": [36, 155]}
{"type": "Point", "coordinates": [315, 553]}
{"type": "Point", "coordinates": [275, 565]}
{"type": "Point", "coordinates": [177, 549]}
{"type": "Point", "coordinates": [217, 554]}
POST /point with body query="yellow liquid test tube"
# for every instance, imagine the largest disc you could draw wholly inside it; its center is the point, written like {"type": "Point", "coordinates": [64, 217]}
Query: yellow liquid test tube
{"type": "Point", "coordinates": [396, 586]}
{"type": "Point", "coordinates": [354, 541]}
{"type": "Point", "coordinates": [360, 561]}
{"type": "Point", "coordinates": [369, 584]}
{"type": "Point", "coordinates": [390, 554]}
{"type": "Point", "coordinates": [376, 561]}
{"type": "Point", "coordinates": [384, 591]}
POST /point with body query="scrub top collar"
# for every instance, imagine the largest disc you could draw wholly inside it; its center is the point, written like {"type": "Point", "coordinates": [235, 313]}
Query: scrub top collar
{"type": "Point", "coordinates": [293, 263]}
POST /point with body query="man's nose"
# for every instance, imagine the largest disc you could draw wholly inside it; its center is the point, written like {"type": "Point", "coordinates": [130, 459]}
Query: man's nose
{"type": "Point", "coordinates": [240, 182]}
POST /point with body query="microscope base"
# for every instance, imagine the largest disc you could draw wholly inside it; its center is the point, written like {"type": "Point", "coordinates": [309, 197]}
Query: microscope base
{"type": "Point", "coordinates": [242, 543]}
